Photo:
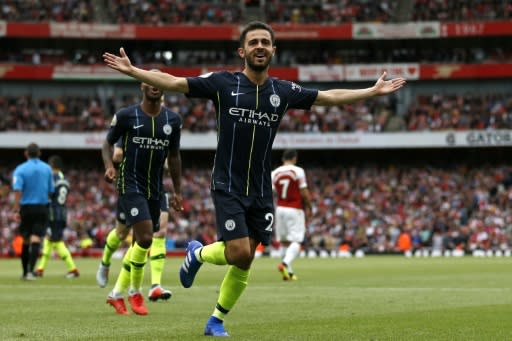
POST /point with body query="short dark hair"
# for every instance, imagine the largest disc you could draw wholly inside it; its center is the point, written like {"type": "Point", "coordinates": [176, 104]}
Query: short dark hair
{"type": "Point", "coordinates": [256, 25]}
{"type": "Point", "coordinates": [289, 154]}
{"type": "Point", "coordinates": [55, 161]}
{"type": "Point", "coordinates": [33, 150]}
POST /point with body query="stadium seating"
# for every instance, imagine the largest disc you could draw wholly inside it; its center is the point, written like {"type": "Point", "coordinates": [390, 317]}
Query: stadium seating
{"type": "Point", "coordinates": [364, 207]}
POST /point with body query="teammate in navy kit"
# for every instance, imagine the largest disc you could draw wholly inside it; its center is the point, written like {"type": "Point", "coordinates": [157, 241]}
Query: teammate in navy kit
{"type": "Point", "coordinates": [249, 107]}
{"type": "Point", "coordinates": [120, 232]}
{"type": "Point", "coordinates": [58, 221]}
{"type": "Point", "coordinates": [151, 133]}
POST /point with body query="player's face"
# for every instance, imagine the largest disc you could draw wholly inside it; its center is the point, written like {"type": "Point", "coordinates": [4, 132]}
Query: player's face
{"type": "Point", "coordinates": [151, 93]}
{"type": "Point", "coordinates": [258, 50]}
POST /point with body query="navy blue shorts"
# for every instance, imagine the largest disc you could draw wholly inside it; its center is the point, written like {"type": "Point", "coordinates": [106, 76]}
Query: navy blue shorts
{"type": "Point", "coordinates": [164, 207]}
{"type": "Point", "coordinates": [240, 216]}
{"type": "Point", "coordinates": [136, 208]}
{"type": "Point", "coordinates": [56, 230]}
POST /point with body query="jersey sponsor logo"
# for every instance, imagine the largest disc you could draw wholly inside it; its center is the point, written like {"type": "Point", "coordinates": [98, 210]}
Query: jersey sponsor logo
{"type": "Point", "coordinates": [253, 117]}
{"type": "Point", "coordinates": [206, 75]}
{"type": "Point", "coordinates": [139, 126]}
{"type": "Point", "coordinates": [134, 212]}
{"type": "Point", "coordinates": [150, 143]}
{"type": "Point", "coordinates": [230, 224]}
{"type": "Point", "coordinates": [167, 129]}
{"type": "Point", "coordinates": [237, 93]}
{"type": "Point", "coordinates": [275, 100]}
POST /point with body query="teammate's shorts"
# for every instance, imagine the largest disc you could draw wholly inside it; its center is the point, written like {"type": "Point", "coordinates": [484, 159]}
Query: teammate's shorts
{"type": "Point", "coordinates": [164, 207]}
{"type": "Point", "coordinates": [34, 220]}
{"type": "Point", "coordinates": [290, 224]}
{"type": "Point", "coordinates": [241, 216]}
{"type": "Point", "coordinates": [56, 230]}
{"type": "Point", "coordinates": [136, 208]}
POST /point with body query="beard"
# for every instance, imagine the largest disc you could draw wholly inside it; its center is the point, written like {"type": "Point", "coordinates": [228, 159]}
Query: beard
{"type": "Point", "coordinates": [257, 67]}
{"type": "Point", "coordinates": [151, 97]}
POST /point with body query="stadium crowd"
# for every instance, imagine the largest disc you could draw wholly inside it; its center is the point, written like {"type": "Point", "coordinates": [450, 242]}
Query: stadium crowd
{"type": "Point", "coordinates": [167, 12]}
{"type": "Point", "coordinates": [332, 55]}
{"type": "Point", "coordinates": [355, 207]}
{"type": "Point", "coordinates": [431, 112]}
{"type": "Point", "coordinates": [468, 10]}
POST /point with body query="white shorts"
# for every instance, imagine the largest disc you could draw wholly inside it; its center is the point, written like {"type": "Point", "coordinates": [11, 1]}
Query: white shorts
{"type": "Point", "coordinates": [290, 224]}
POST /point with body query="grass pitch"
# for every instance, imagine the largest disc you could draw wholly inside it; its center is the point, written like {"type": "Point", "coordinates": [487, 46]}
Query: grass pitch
{"type": "Point", "coordinates": [372, 298]}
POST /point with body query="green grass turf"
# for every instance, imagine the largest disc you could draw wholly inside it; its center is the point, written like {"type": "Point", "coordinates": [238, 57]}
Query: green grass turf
{"type": "Point", "coordinates": [372, 298]}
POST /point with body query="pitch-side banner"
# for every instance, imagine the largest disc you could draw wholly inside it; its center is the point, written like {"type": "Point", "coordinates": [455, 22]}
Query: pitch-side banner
{"type": "Point", "coordinates": [366, 72]}
{"type": "Point", "coordinates": [305, 73]}
{"type": "Point", "coordinates": [86, 30]}
{"type": "Point", "coordinates": [229, 32]}
{"type": "Point", "coordinates": [208, 141]}
{"type": "Point", "coordinates": [411, 30]}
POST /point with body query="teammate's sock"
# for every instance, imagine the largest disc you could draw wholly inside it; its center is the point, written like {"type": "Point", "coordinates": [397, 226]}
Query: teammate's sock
{"type": "Point", "coordinates": [45, 254]}
{"type": "Point", "coordinates": [292, 253]}
{"type": "Point", "coordinates": [65, 255]}
{"type": "Point", "coordinates": [157, 259]}
{"type": "Point", "coordinates": [34, 254]}
{"type": "Point", "coordinates": [137, 260]}
{"type": "Point", "coordinates": [233, 285]}
{"type": "Point", "coordinates": [111, 245]}
{"type": "Point", "coordinates": [212, 253]}
{"type": "Point", "coordinates": [123, 280]}
{"type": "Point", "coordinates": [25, 258]}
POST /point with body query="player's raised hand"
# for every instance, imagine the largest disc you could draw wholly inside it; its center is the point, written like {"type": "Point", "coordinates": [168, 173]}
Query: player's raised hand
{"type": "Point", "coordinates": [120, 63]}
{"type": "Point", "coordinates": [384, 87]}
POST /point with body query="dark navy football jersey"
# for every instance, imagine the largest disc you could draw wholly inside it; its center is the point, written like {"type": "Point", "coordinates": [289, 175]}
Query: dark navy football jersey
{"type": "Point", "coordinates": [248, 117]}
{"type": "Point", "coordinates": [58, 198]}
{"type": "Point", "coordinates": [146, 143]}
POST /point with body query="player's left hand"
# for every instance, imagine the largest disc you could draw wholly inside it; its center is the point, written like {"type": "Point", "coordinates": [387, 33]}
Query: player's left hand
{"type": "Point", "coordinates": [110, 174]}
{"type": "Point", "coordinates": [384, 87]}
{"type": "Point", "coordinates": [177, 202]}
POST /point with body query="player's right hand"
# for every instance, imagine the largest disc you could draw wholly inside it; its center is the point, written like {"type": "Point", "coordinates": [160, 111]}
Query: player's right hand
{"type": "Point", "coordinates": [110, 174]}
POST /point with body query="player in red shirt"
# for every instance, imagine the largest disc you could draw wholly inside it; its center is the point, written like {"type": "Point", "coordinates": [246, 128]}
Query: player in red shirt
{"type": "Point", "coordinates": [293, 204]}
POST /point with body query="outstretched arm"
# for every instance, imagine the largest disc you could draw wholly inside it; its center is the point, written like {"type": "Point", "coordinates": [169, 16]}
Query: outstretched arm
{"type": "Point", "coordinates": [160, 80]}
{"type": "Point", "coordinates": [344, 96]}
